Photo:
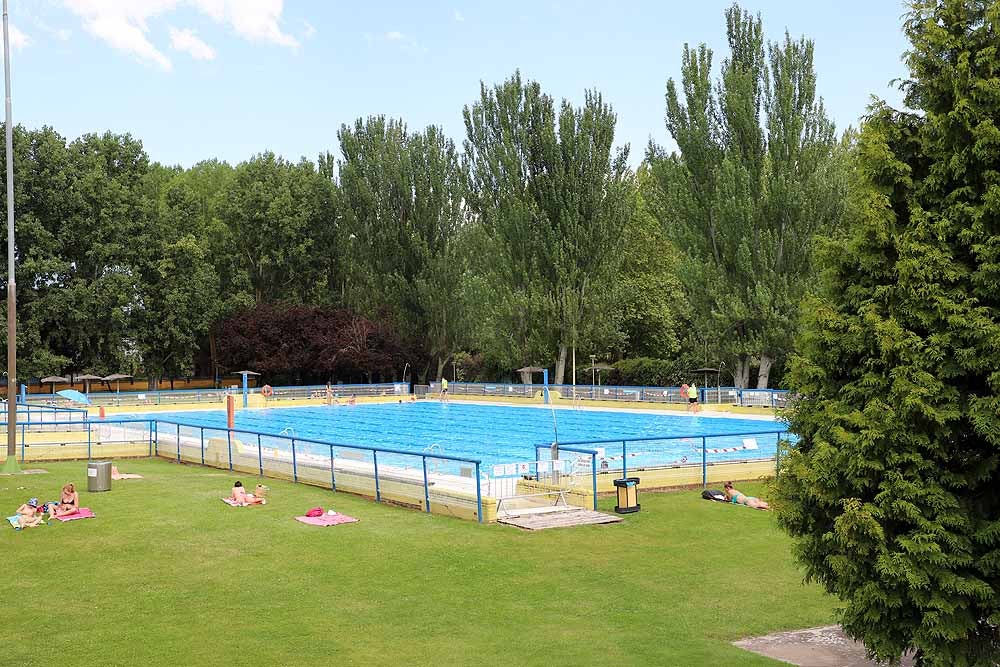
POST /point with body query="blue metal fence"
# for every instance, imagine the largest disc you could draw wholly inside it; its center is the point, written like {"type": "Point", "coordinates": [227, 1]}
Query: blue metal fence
{"type": "Point", "coordinates": [662, 452]}
{"type": "Point", "coordinates": [280, 455]}
{"type": "Point", "coordinates": [173, 397]}
{"type": "Point", "coordinates": [769, 398]}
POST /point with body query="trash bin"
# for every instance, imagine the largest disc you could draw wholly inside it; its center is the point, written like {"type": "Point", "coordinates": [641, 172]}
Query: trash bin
{"type": "Point", "coordinates": [628, 495]}
{"type": "Point", "coordinates": [99, 476]}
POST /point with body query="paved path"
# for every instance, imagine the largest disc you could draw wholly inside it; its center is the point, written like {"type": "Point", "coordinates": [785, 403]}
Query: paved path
{"type": "Point", "coordinates": [813, 647]}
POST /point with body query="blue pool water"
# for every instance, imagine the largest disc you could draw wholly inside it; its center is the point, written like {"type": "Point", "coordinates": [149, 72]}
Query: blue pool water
{"type": "Point", "coordinates": [500, 434]}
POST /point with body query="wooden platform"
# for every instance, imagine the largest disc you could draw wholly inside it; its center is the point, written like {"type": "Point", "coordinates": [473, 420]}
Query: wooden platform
{"type": "Point", "coordinates": [558, 519]}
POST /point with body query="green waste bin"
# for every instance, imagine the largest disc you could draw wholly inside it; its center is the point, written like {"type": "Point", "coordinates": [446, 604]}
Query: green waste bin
{"type": "Point", "coordinates": [628, 495]}
{"type": "Point", "coordinates": [98, 476]}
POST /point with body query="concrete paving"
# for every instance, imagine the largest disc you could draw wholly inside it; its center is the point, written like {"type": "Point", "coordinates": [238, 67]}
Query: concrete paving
{"type": "Point", "coordinates": [814, 647]}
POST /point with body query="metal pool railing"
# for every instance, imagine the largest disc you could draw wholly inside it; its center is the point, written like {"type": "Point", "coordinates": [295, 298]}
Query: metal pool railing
{"type": "Point", "coordinates": [662, 461]}
{"type": "Point", "coordinates": [28, 414]}
{"type": "Point", "coordinates": [767, 398]}
{"type": "Point", "coordinates": [419, 479]}
{"type": "Point", "coordinates": [209, 396]}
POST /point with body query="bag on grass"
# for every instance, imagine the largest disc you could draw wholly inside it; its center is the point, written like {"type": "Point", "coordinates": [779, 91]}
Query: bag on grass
{"type": "Point", "coordinates": [713, 494]}
{"type": "Point", "coordinates": [316, 511]}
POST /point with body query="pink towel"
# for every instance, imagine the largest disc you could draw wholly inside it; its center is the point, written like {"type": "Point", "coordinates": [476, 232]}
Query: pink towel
{"type": "Point", "coordinates": [82, 513]}
{"type": "Point", "coordinates": [326, 519]}
{"type": "Point", "coordinates": [233, 503]}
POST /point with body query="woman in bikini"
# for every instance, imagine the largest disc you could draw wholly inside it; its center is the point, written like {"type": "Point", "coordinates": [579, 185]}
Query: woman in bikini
{"type": "Point", "coordinates": [739, 498]}
{"type": "Point", "coordinates": [69, 502]}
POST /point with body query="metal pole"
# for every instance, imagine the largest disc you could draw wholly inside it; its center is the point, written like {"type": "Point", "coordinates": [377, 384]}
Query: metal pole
{"type": "Point", "coordinates": [178, 443]}
{"type": "Point", "coordinates": [229, 447]}
{"type": "Point", "coordinates": [427, 492]}
{"type": "Point", "coordinates": [593, 472]}
{"type": "Point", "coordinates": [704, 463]}
{"type": "Point", "coordinates": [378, 491]}
{"type": "Point", "coordinates": [202, 430]}
{"type": "Point", "coordinates": [11, 464]}
{"type": "Point", "coordinates": [260, 456]}
{"type": "Point", "coordinates": [624, 464]}
{"type": "Point", "coordinates": [295, 466]}
{"type": "Point", "coordinates": [333, 480]}
{"type": "Point", "coordinates": [479, 494]}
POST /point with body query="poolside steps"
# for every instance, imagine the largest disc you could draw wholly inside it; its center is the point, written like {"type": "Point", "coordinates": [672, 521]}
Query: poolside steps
{"type": "Point", "coordinates": [562, 517]}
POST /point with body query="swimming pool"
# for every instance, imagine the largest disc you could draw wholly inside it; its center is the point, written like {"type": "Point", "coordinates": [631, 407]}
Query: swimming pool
{"type": "Point", "coordinates": [500, 434]}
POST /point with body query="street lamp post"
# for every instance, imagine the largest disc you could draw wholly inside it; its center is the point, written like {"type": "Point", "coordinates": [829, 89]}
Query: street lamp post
{"type": "Point", "coordinates": [593, 369]}
{"type": "Point", "coordinates": [11, 463]}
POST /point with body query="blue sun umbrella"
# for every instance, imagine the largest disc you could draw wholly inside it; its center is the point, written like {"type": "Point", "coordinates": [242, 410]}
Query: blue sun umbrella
{"type": "Point", "coordinates": [74, 395]}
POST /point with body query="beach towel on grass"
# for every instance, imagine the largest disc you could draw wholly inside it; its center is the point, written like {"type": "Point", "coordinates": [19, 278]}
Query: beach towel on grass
{"type": "Point", "coordinates": [326, 519]}
{"type": "Point", "coordinates": [82, 513]}
{"type": "Point", "coordinates": [233, 503]}
{"type": "Point", "coordinates": [13, 521]}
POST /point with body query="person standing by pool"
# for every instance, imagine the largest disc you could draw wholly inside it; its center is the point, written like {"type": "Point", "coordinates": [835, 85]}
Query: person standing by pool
{"type": "Point", "coordinates": [693, 398]}
{"type": "Point", "coordinates": [444, 389]}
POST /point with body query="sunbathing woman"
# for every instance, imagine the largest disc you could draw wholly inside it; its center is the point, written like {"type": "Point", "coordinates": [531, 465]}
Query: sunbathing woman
{"type": "Point", "coordinates": [241, 496]}
{"type": "Point", "coordinates": [69, 502]}
{"type": "Point", "coordinates": [739, 498]}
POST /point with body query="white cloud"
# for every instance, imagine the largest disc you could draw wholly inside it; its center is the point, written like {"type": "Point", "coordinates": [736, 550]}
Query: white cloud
{"type": "Point", "coordinates": [402, 41]}
{"type": "Point", "coordinates": [459, 17]}
{"type": "Point", "coordinates": [63, 34]}
{"type": "Point", "coordinates": [254, 20]}
{"type": "Point", "coordinates": [124, 24]}
{"type": "Point", "coordinates": [187, 41]}
{"type": "Point", "coordinates": [308, 30]}
{"type": "Point", "coordinates": [18, 40]}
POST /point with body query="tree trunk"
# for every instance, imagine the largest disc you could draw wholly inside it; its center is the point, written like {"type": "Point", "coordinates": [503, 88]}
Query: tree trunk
{"type": "Point", "coordinates": [442, 362]}
{"type": "Point", "coordinates": [765, 371]}
{"type": "Point", "coordinates": [741, 377]}
{"type": "Point", "coordinates": [525, 377]}
{"type": "Point", "coordinates": [561, 364]}
{"type": "Point", "coordinates": [214, 354]}
{"type": "Point", "coordinates": [153, 383]}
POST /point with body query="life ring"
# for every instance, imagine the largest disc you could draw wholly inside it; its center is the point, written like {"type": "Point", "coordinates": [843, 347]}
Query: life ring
{"type": "Point", "coordinates": [267, 391]}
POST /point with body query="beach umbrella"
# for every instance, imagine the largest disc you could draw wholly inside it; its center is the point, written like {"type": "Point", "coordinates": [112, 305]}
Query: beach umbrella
{"type": "Point", "coordinates": [117, 378]}
{"type": "Point", "coordinates": [87, 377]}
{"type": "Point", "coordinates": [74, 395]}
{"type": "Point", "coordinates": [53, 379]}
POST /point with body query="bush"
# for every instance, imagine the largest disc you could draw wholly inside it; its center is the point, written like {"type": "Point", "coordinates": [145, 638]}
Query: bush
{"type": "Point", "coordinates": [647, 372]}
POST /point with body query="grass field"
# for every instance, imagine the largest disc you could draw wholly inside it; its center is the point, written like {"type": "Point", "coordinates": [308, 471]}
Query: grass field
{"type": "Point", "coordinates": [169, 575]}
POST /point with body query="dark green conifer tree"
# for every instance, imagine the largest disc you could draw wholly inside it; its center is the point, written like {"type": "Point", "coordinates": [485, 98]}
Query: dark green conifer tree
{"type": "Point", "coordinates": [891, 490]}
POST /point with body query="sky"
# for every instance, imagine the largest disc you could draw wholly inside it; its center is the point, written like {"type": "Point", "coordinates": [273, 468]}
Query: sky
{"type": "Point", "coordinates": [201, 79]}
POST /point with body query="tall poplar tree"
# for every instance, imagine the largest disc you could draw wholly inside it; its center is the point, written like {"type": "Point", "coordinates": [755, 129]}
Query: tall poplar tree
{"type": "Point", "coordinates": [754, 180]}
{"type": "Point", "coordinates": [552, 195]}
{"type": "Point", "coordinates": [891, 490]}
{"type": "Point", "coordinates": [402, 199]}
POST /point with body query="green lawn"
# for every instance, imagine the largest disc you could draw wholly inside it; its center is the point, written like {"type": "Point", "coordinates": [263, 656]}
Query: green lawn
{"type": "Point", "coordinates": [167, 574]}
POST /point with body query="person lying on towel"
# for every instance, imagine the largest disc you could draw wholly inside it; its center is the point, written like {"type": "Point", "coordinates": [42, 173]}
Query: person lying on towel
{"type": "Point", "coordinates": [240, 496]}
{"type": "Point", "coordinates": [122, 475]}
{"type": "Point", "coordinates": [739, 498]}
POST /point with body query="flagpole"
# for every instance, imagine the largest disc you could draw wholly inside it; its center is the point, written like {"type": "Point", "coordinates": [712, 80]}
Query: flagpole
{"type": "Point", "coordinates": [11, 463]}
